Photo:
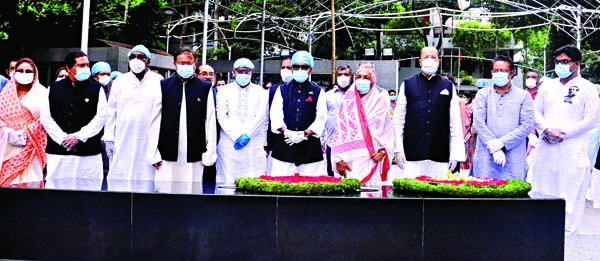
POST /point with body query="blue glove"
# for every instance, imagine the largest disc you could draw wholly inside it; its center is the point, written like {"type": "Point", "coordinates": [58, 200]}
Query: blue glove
{"type": "Point", "coordinates": [241, 142]}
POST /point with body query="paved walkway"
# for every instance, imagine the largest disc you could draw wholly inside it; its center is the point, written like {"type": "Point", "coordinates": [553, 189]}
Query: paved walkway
{"type": "Point", "coordinates": [584, 244]}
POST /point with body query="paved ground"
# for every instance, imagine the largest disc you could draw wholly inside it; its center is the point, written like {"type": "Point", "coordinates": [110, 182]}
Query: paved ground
{"type": "Point", "coordinates": [584, 244]}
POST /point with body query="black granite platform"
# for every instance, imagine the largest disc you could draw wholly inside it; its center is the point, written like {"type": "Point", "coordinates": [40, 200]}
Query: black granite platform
{"type": "Point", "coordinates": [99, 220]}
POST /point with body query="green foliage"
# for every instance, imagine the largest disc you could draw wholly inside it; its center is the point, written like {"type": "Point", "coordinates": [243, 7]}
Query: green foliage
{"type": "Point", "coordinates": [475, 42]}
{"type": "Point", "coordinates": [514, 188]}
{"type": "Point", "coordinates": [467, 80]}
{"type": "Point", "coordinates": [259, 185]}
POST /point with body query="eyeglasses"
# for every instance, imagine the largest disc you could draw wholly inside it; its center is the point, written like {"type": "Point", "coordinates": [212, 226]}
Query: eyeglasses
{"type": "Point", "coordinates": [304, 67]}
{"type": "Point", "coordinates": [138, 56]}
{"type": "Point", "coordinates": [286, 67]}
{"type": "Point", "coordinates": [500, 71]}
{"type": "Point", "coordinates": [362, 76]}
{"type": "Point", "coordinates": [24, 71]}
{"type": "Point", "coordinates": [563, 61]}
{"type": "Point", "coordinates": [248, 72]}
{"type": "Point", "coordinates": [205, 73]}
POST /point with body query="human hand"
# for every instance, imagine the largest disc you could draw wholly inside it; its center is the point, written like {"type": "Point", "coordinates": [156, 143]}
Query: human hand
{"type": "Point", "coordinates": [495, 145]}
{"type": "Point", "coordinates": [400, 160]}
{"type": "Point", "coordinates": [17, 138]}
{"type": "Point", "coordinates": [241, 141]}
{"type": "Point", "coordinates": [69, 142]}
{"type": "Point", "coordinates": [552, 135]}
{"type": "Point", "coordinates": [499, 158]}
{"type": "Point", "coordinates": [109, 146]}
{"type": "Point", "coordinates": [295, 137]}
{"type": "Point", "coordinates": [452, 164]}
{"type": "Point", "coordinates": [341, 168]}
{"type": "Point", "coordinates": [378, 156]}
{"type": "Point", "coordinates": [157, 164]}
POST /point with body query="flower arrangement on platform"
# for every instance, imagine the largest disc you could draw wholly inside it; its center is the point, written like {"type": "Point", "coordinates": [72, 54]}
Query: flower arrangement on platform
{"type": "Point", "coordinates": [298, 185]}
{"type": "Point", "coordinates": [457, 186]}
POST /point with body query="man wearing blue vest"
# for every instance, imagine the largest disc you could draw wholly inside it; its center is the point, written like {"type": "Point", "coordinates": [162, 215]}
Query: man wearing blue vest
{"type": "Point", "coordinates": [183, 128]}
{"type": "Point", "coordinates": [429, 138]}
{"type": "Point", "coordinates": [298, 115]}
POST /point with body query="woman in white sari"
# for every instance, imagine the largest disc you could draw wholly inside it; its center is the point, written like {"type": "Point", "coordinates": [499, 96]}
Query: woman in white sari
{"type": "Point", "coordinates": [22, 136]}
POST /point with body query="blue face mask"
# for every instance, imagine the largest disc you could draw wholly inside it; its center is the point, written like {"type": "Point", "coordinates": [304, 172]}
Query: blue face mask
{"type": "Point", "coordinates": [363, 86]}
{"type": "Point", "coordinates": [500, 79]}
{"type": "Point", "coordinates": [185, 71]}
{"type": "Point", "coordinates": [83, 74]}
{"type": "Point", "coordinates": [563, 70]}
{"type": "Point", "coordinates": [243, 79]}
{"type": "Point", "coordinates": [300, 76]}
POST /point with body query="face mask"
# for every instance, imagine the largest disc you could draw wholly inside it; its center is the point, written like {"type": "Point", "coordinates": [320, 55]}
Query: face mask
{"type": "Point", "coordinates": [137, 66]}
{"type": "Point", "coordinates": [300, 76]}
{"type": "Point", "coordinates": [393, 98]}
{"type": "Point", "coordinates": [23, 78]}
{"type": "Point", "coordinates": [185, 71]}
{"type": "Point", "coordinates": [530, 83]}
{"type": "Point", "coordinates": [363, 86]}
{"type": "Point", "coordinates": [83, 74]}
{"type": "Point", "coordinates": [500, 79]}
{"type": "Point", "coordinates": [243, 79]}
{"type": "Point", "coordinates": [286, 75]}
{"type": "Point", "coordinates": [429, 66]}
{"type": "Point", "coordinates": [104, 80]}
{"type": "Point", "coordinates": [343, 81]}
{"type": "Point", "coordinates": [562, 70]}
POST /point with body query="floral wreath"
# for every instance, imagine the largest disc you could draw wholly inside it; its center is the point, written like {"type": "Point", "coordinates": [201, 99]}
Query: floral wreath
{"type": "Point", "coordinates": [463, 187]}
{"type": "Point", "coordinates": [298, 185]}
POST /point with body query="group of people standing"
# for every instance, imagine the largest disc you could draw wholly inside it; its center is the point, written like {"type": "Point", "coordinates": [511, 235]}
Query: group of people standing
{"type": "Point", "coordinates": [176, 129]}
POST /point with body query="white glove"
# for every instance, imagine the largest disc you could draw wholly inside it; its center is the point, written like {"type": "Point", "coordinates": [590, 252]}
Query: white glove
{"type": "Point", "coordinates": [452, 164]}
{"type": "Point", "coordinates": [287, 133]}
{"type": "Point", "coordinates": [499, 158]}
{"type": "Point", "coordinates": [110, 150]}
{"type": "Point", "coordinates": [17, 138]}
{"type": "Point", "coordinates": [495, 145]}
{"type": "Point", "coordinates": [532, 140]}
{"type": "Point", "coordinates": [400, 160]}
{"type": "Point", "coordinates": [295, 137]}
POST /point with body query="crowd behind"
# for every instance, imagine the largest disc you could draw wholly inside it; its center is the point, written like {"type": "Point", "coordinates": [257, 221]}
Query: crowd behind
{"type": "Point", "coordinates": [94, 123]}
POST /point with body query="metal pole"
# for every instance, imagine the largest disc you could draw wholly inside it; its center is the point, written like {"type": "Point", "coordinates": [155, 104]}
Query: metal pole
{"type": "Point", "coordinates": [205, 31]}
{"type": "Point", "coordinates": [168, 31]}
{"type": "Point", "coordinates": [262, 43]}
{"type": "Point", "coordinates": [310, 36]}
{"type": "Point", "coordinates": [578, 19]}
{"type": "Point", "coordinates": [332, 41]}
{"type": "Point", "coordinates": [85, 24]}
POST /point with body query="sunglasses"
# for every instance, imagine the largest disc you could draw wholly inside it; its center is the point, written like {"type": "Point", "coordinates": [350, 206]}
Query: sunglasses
{"type": "Point", "coordinates": [24, 71]}
{"type": "Point", "coordinates": [301, 67]}
{"type": "Point", "coordinates": [138, 56]}
{"type": "Point", "coordinates": [286, 67]}
{"type": "Point", "coordinates": [563, 61]}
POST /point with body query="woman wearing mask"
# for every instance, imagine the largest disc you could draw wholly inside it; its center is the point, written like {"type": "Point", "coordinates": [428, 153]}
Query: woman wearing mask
{"type": "Point", "coordinates": [364, 133]}
{"type": "Point", "coordinates": [61, 73]}
{"type": "Point", "coordinates": [22, 137]}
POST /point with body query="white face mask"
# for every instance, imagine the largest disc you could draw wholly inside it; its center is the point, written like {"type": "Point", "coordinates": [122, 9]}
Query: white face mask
{"type": "Point", "coordinates": [286, 75]}
{"type": "Point", "coordinates": [137, 66]}
{"type": "Point", "coordinates": [104, 80]}
{"type": "Point", "coordinates": [429, 66]}
{"type": "Point", "coordinates": [530, 83]}
{"type": "Point", "coordinates": [343, 81]}
{"type": "Point", "coordinates": [23, 78]}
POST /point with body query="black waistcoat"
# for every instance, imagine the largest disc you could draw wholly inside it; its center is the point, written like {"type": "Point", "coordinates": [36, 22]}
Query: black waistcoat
{"type": "Point", "coordinates": [299, 112]}
{"type": "Point", "coordinates": [196, 97]}
{"type": "Point", "coordinates": [427, 126]}
{"type": "Point", "coordinates": [72, 108]}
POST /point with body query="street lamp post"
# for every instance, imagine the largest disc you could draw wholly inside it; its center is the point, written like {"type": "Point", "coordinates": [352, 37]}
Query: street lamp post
{"type": "Point", "coordinates": [169, 12]}
{"type": "Point", "coordinates": [262, 43]}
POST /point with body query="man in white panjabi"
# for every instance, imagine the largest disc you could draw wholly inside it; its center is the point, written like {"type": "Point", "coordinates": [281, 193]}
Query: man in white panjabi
{"type": "Point", "coordinates": [134, 95]}
{"type": "Point", "coordinates": [298, 116]}
{"type": "Point", "coordinates": [242, 112]}
{"type": "Point", "coordinates": [566, 108]}
{"type": "Point", "coordinates": [429, 136]}
{"type": "Point", "coordinates": [363, 132]}
{"type": "Point", "coordinates": [74, 117]}
{"type": "Point", "coordinates": [183, 129]}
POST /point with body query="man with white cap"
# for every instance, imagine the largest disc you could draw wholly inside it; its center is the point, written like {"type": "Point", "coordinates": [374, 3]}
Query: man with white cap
{"type": "Point", "coordinates": [134, 96]}
{"type": "Point", "coordinates": [242, 111]}
{"type": "Point", "coordinates": [101, 74]}
{"type": "Point", "coordinates": [298, 115]}
{"type": "Point", "coordinates": [183, 128]}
